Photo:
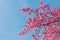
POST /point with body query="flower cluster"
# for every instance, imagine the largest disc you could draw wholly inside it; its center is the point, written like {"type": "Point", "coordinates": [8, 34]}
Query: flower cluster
{"type": "Point", "coordinates": [44, 17]}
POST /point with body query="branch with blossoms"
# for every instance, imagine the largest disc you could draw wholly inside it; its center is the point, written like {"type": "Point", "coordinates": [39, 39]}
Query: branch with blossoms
{"type": "Point", "coordinates": [44, 17]}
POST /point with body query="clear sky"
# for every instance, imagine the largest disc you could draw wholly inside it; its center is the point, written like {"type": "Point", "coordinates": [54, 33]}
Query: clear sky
{"type": "Point", "coordinates": [12, 21]}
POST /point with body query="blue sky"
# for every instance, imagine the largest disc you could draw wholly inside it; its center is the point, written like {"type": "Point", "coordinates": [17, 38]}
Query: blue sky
{"type": "Point", "coordinates": [12, 21]}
